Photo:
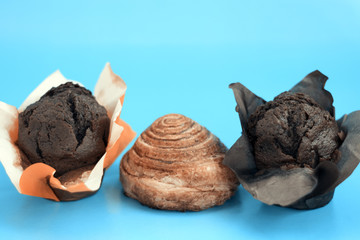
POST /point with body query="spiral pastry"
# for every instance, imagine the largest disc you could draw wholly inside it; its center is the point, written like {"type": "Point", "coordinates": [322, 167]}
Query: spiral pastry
{"type": "Point", "coordinates": [176, 164]}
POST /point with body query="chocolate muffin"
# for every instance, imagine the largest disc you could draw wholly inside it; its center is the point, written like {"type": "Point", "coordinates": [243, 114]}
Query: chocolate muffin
{"type": "Point", "coordinates": [66, 129]}
{"type": "Point", "coordinates": [292, 152]}
{"type": "Point", "coordinates": [292, 131]}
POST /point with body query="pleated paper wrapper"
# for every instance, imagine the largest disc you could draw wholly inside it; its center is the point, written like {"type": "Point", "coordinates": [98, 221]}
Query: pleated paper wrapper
{"type": "Point", "coordinates": [300, 188]}
{"type": "Point", "coordinates": [38, 179]}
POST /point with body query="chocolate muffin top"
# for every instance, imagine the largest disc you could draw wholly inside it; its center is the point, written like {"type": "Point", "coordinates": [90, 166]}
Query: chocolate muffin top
{"type": "Point", "coordinates": [66, 129]}
{"type": "Point", "coordinates": [292, 131]}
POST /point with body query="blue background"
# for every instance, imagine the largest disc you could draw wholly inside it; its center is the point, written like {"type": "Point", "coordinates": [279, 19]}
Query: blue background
{"type": "Point", "coordinates": [180, 56]}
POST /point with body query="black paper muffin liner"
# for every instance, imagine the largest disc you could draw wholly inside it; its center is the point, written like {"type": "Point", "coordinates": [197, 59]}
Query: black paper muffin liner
{"type": "Point", "coordinates": [299, 188]}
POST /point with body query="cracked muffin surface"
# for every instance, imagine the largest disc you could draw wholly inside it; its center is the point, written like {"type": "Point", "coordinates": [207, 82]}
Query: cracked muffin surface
{"type": "Point", "coordinates": [66, 129]}
{"type": "Point", "coordinates": [292, 131]}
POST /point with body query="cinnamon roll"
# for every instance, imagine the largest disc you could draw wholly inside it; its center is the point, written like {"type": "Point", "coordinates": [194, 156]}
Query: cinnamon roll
{"type": "Point", "coordinates": [176, 164]}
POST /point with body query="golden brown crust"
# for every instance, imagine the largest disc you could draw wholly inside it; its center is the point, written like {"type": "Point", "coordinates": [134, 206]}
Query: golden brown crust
{"type": "Point", "coordinates": [176, 164]}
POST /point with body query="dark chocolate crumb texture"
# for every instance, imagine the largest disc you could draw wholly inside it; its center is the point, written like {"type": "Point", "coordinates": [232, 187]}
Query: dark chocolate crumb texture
{"type": "Point", "coordinates": [66, 129]}
{"type": "Point", "coordinates": [292, 152]}
{"type": "Point", "coordinates": [293, 131]}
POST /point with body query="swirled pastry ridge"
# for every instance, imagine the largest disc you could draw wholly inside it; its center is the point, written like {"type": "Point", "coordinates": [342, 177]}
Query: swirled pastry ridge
{"type": "Point", "coordinates": [176, 164]}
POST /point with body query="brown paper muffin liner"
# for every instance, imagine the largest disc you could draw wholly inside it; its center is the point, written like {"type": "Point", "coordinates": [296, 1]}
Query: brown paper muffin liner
{"type": "Point", "coordinates": [38, 179]}
{"type": "Point", "coordinates": [300, 188]}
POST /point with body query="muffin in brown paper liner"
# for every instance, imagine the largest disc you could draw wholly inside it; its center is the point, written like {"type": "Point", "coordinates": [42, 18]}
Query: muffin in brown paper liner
{"type": "Point", "coordinates": [176, 164]}
{"type": "Point", "coordinates": [38, 179]}
{"type": "Point", "coordinates": [295, 187]}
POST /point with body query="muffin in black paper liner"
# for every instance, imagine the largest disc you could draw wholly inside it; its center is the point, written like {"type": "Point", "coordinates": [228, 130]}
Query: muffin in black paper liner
{"type": "Point", "coordinates": [300, 186]}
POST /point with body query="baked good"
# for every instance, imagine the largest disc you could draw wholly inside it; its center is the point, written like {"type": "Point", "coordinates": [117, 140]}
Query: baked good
{"type": "Point", "coordinates": [66, 129]}
{"type": "Point", "coordinates": [292, 131]}
{"type": "Point", "coordinates": [69, 126]}
{"type": "Point", "coordinates": [175, 164]}
{"type": "Point", "coordinates": [292, 152]}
